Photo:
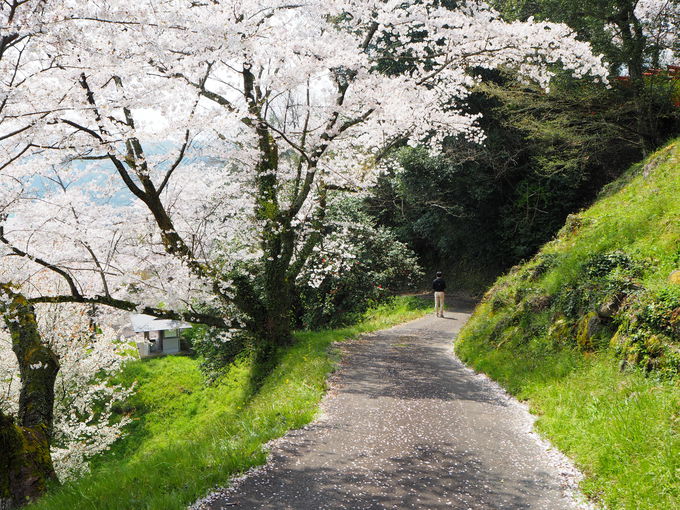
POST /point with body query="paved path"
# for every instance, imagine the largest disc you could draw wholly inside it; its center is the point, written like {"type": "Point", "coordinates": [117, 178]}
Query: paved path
{"type": "Point", "coordinates": [406, 425]}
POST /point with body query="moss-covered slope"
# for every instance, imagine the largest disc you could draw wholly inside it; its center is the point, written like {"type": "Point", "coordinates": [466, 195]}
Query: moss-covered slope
{"type": "Point", "coordinates": [607, 280]}
{"type": "Point", "coordinates": [589, 332]}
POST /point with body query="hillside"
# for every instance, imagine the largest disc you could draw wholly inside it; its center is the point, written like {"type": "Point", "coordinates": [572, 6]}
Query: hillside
{"type": "Point", "coordinates": [588, 331]}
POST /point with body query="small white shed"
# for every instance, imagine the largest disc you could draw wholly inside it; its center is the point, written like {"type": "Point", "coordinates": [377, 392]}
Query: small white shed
{"type": "Point", "coordinates": [161, 336]}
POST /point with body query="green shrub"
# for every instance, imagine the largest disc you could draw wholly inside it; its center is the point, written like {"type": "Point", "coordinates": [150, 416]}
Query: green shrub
{"type": "Point", "coordinates": [216, 350]}
{"type": "Point", "coordinates": [358, 265]}
{"type": "Point", "coordinates": [600, 265]}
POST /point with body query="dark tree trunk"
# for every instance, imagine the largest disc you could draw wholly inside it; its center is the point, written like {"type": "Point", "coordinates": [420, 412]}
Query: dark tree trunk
{"type": "Point", "coordinates": [38, 367]}
{"type": "Point", "coordinates": [25, 461]}
{"type": "Point", "coordinates": [272, 317]}
{"type": "Point", "coordinates": [634, 42]}
{"type": "Point", "coordinates": [278, 298]}
{"type": "Point", "coordinates": [268, 308]}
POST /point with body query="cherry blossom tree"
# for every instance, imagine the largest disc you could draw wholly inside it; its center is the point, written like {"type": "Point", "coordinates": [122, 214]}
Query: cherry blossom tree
{"type": "Point", "coordinates": [177, 156]}
{"type": "Point", "coordinates": [83, 424]}
{"type": "Point", "coordinates": [192, 105]}
{"type": "Point", "coordinates": [24, 471]}
{"type": "Point", "coordinates": [659, 21]}
{"type": "Point", "coordinates": [32, 102]}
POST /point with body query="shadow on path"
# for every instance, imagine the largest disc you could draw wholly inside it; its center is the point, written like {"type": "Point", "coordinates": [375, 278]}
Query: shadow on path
{"type": "Point", "coordinates": [406, 425]}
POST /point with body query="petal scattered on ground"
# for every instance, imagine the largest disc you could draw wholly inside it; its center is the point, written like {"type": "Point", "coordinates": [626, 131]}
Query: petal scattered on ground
{"type": "Point", "coordinates": [407, 425]}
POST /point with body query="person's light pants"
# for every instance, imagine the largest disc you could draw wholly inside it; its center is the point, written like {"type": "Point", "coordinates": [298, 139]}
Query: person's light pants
{"type": "Point", "coordinates": [439, 304]}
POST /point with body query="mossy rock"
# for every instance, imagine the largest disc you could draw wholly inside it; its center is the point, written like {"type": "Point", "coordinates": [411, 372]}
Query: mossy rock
{"type": "Point", "coordinates": [561, 331]}
{"type": "Point", "coordinates": [655, 161]}
{"type": "Point", "coordinates": [633, 357]}
{"type": "Point", "coordinates": [586, 330]}
{"type": "Point", "coordinates": [653, 352]}
{"type": "Point", "coordinates": [538, 303]}
{"type": "Point", "coordinates": [620, 341]}
{"type": "Point", "coordinates": [654, 344]}
{"type": "Point", "coordinates": [674, 277]}
{"type": "Point", "coordinates": [611, 305]}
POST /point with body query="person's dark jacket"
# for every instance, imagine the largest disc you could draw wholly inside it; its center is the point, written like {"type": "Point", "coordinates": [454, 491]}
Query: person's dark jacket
{"type": "Point", "coordinates": [439, 285]}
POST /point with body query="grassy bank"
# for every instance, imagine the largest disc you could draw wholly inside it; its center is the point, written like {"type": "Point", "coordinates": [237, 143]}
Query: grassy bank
{"type": "Point", "coordinates": [188, 437]}
{"type": "Point", "coordinates": [588, 331]}
{"type": "Point", "coordinates": [621, 428]}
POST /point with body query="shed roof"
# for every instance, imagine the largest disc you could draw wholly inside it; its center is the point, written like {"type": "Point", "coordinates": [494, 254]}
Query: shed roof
{"type": "Point", "coordinates": [142, 323]}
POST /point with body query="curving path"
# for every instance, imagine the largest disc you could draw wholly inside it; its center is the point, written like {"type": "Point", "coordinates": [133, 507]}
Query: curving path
{"type": "Point", "coordinates": [406, 425]}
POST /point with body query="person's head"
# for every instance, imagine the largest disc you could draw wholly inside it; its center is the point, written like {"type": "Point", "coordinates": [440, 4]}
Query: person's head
{"type": "Point", "coordinates": [439, 274]}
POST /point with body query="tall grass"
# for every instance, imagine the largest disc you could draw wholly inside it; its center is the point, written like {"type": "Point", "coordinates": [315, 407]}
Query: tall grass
{"type": "Point", "coordinates": [188, 437]}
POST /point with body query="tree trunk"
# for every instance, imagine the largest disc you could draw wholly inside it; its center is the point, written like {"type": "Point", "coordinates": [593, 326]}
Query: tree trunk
{"type": "Point", "coordinates": [25, 446]}
{"type": "Point", "coordinates": [38, 366]}
{"type": "Point", "coordinates": [267, 307]}
{"type": "Point", "coordinates": [634, 43]}
{"type": "Point", "coordinates": [278, 299]}
{"type": "Point", "coordinates": [25, 463]}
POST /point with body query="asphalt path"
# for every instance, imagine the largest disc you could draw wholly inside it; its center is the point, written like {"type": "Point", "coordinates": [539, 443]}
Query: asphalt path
{"type": "Point", "coordinates": [407, 425]}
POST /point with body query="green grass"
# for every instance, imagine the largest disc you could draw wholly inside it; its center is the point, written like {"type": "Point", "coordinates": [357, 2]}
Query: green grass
{"type": "Point", "coordinates": [642, 217]}
{"type": "Point", "coordinates": [621, 426]}
{"type": "Point", "coordinates": [188, 437]}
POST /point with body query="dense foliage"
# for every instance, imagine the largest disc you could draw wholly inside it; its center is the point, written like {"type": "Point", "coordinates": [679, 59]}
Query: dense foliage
{"type": "Point", "coordinates": [480, 209]}
{"type": "Point", "coordinates": [546, 156]}
{"type": "Point", "coordinates": [357, 264]}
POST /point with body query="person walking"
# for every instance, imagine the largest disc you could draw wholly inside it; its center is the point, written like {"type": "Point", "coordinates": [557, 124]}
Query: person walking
{"type": "Point", "coordinates": [439, 286]}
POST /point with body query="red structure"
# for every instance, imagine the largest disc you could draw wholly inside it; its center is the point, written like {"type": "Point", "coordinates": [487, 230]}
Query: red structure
{"type": "Point", "coordinates": [671, 72]}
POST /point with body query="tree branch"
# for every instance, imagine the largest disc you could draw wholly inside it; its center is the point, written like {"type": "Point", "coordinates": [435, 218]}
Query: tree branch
{"type": "Point", "coordinates": [69, 279]}
{"type": "Point", "coordinates": [129, 306]}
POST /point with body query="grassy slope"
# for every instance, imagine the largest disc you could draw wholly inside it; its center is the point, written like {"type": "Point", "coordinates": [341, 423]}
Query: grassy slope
{"type": "Point", "coordinates": [188, 438]}
{"type": "Point", "coordinates": [531, 334]}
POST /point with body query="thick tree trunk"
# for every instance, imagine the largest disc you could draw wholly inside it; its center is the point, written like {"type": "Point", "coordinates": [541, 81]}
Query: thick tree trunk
{"type": "Point", "coordinates": [38, 366]}
{"type": "Point", "coordinates": [268, 308]}
{"type": "Point", "coordinates": [25, 445]}
{"type": "Point", "coordinates": [276, 328]}
{"type": "Point", "coordinates": [25, 463]}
